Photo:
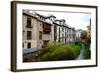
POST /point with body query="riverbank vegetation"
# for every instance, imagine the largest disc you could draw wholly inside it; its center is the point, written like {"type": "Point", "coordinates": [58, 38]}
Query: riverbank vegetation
{"type": "Point", "coordinates": [57, 51]}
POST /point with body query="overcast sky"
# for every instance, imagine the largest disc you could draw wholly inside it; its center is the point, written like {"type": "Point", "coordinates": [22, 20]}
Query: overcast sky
{"type": "Point", "coordinates": [73, 19]}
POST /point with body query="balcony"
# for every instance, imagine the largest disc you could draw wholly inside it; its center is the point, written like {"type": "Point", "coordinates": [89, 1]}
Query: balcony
{"type": "Point", "coordinates": [47, 28]}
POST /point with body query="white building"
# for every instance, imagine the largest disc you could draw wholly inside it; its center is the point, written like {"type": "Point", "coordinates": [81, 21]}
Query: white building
{"type": "Point", "coordinates": [78, 35]}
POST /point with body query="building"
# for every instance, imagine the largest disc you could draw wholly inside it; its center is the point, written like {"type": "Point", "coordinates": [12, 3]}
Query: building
{"type": "Point", "coordinates": [89, 31]}
{"type": "Point", "coordinates": [59, 31]}
{"type": "Point", "coordinates": [36, 31]}
{"type": "Point", "coordinates": [63, 33]}
{"type": "Point", "coordinates": [78, 35]}
{"type": "Point", "coordinates": [39, 29]}
{"type": "Point", "coordinates": [72, 35]}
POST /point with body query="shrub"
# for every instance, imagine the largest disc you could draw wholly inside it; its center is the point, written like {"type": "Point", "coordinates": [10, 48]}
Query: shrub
{"type": "Point", "coordinates": [76, 49]}
{"type": "Point", "coordinates": [77, 43]}
{"type": "Point", "coordinates": [60, 52]}
{"type": "Point", "coordinates": [87, 54]}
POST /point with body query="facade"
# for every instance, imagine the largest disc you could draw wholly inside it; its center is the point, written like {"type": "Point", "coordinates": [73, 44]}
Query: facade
{"type": "Point", "coordinates": [63, 33]}
{"type": "Point", "coordinates": [89, 31]}
{"type": "Point", "coordinates": [78, 35]}
{"type": "Point", "coordinates": [39, 29]}
{"type": "Point", "coordinates": [36, 32]}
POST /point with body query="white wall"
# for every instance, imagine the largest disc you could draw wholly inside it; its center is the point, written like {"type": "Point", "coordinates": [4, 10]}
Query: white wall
{"type": "Point", "coordinates": [5, 37]}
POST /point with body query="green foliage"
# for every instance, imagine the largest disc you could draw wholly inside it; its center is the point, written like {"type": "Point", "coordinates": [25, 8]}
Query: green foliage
{"type": "Point", "coordinates": [84, 35]}
{"type": "Point", "coordinates": [77, 43]}
{"type": "Point", "coordinates": [87, 45]}
{"type": "Point", "coordinates": [87, 54]}
{"type": "Point", "coordinates": [57, 51]}
{"type": "Point", "coordinates": [76, 49]}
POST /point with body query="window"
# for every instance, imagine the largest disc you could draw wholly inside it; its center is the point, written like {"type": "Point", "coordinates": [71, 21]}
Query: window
{"type": "Point", "coordinates": [29, 35]}
{"type": "Point", "coordinates": [40, 35]}
{"type": "Point", "coordinates": [28, 23]}
{"type": "Point", "coordinates": [23, 45]}
{"type": "Point", "coordinates": [46, 32]}
{"type": "Point", "coordinates": [62, 29]}
{"type": "Point", "coordinates": [29, 45]}
{"type": "Point", "coordinates": [59, 34]}
{"type": "Point", "coordinates": [62, 37]}
{"type": "Point", "coordinates": [55, 32]}
{"type": "Point", "coordinates": [40, 24]}
{"type": "Point", "coordinates": [65, 36]}
{"type": "Point", "coordinates": [45, 42]}
{"type": "Point", "coordinates": [23, 32]}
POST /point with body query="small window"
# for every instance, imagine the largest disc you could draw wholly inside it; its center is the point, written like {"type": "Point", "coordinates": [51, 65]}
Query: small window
{"type": "Point", "coordinates": [40, 24]}
{"type": "Point", "coordinates": [23, 45]}
{"type": "Point", "coordinates": [29, 35]}
{"type": "Point", "coordinates": [28, 22]}
{"type": "Point", "coordinates": [40, 35]}
{"type": "Point", "coordinates": [62, 29]}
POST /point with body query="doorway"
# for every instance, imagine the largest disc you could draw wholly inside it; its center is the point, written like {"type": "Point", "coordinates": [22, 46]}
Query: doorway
{"type": "Point", "coordinates": [29, 45]}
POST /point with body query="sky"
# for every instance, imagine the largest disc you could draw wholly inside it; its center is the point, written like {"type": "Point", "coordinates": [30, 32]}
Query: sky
{"type": "Point", "coordinates": [73, 19]}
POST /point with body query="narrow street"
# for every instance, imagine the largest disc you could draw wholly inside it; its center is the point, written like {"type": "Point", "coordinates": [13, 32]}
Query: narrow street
{"type": "Point", "coordinates": [80, 57]}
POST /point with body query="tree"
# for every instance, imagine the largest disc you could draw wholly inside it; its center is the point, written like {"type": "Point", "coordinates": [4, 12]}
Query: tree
{"type": "Point", "coordinates": [84, 35]}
